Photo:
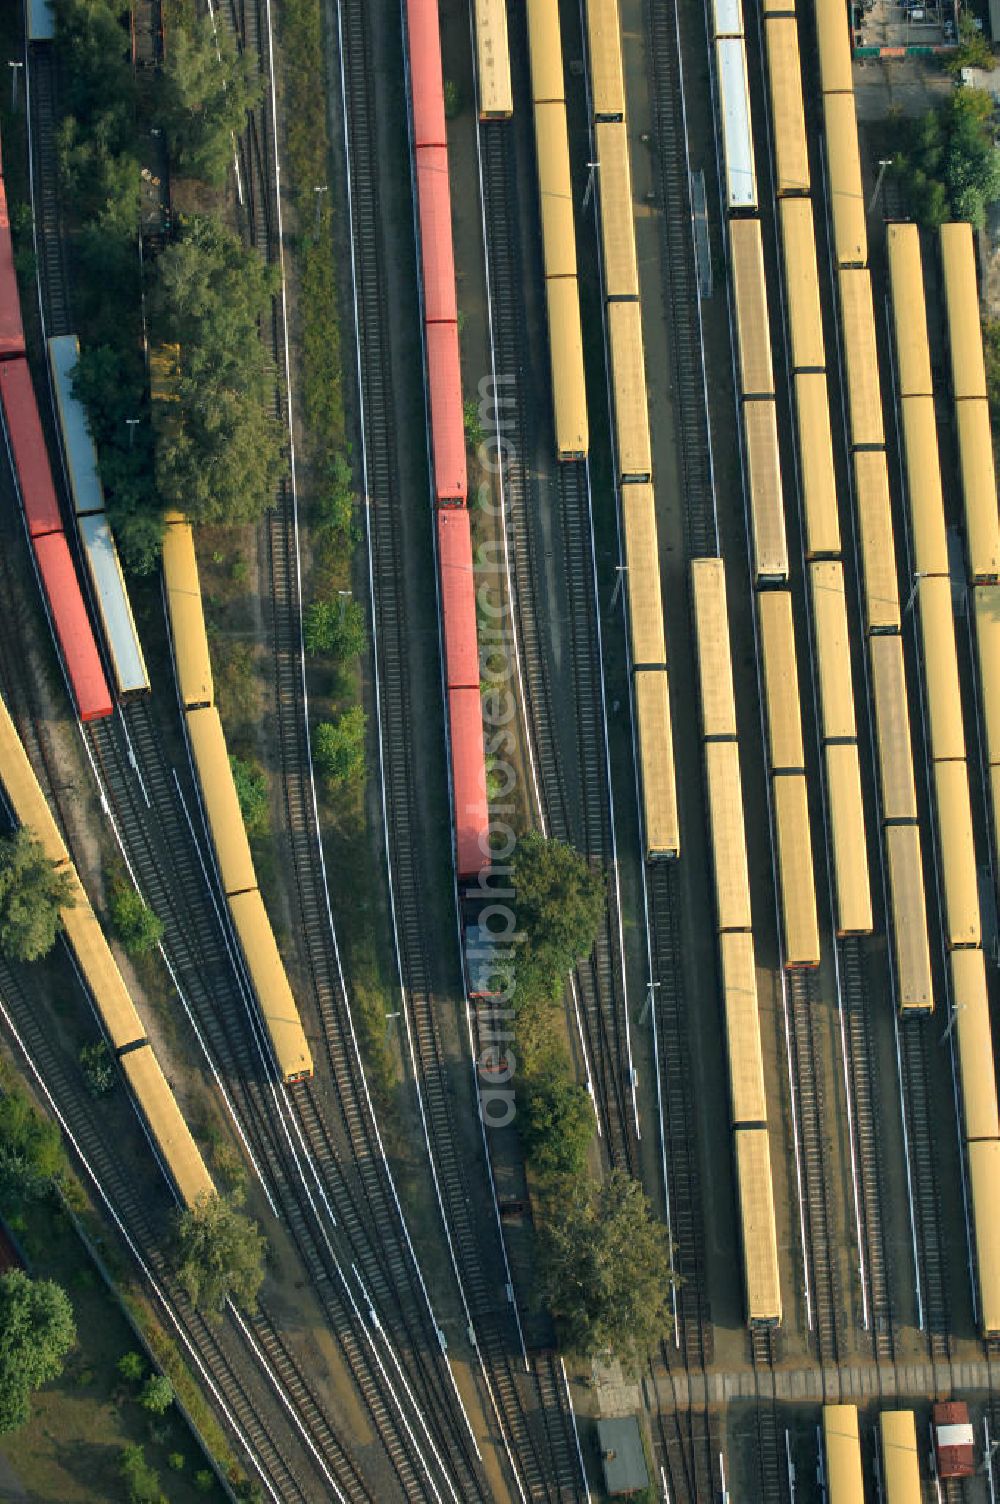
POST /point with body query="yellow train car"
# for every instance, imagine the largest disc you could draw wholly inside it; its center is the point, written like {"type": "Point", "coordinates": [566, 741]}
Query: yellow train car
{"type": "Point", "coordinates": [496, 98]}
{"type": "Point", "coordinates": [779, 7]}
{"type": "Point", "coordinates": [784, 73]}
{"type": "Point", "coordinates": [907, 898]}
{"type": "Point", "coordinates": [842, 1455]}
{"type": "Point", "coordinates": [995, 804]}
{"type": "Point", "coordinates": [642, 562]}
{"type": "Point", "coordinates": [786, 752]}
{"type": "Point", "coordinates": [971, 1008]}
{"type": "Point", "coordinates": [569, 389]}
{"type": "Point", "coordinates": [661, 825]}
{"type": "Point", "coordinates": [957, 853]}
{"type": "Point", "coordinates": [604, 45]}
{"type": "Point", "coordinates": [940, 659]}
{"type": "Point", "coordinates": [979, 489]}
{"type": "Point", "coordinates": [961, 296]}
{"type": "Point", "coordinates": [878, 546]}
{"type": "Point", "coordinates": [900, 1459]}
{"type": "Point", "coordinates": [267, 971]}
{"type": "Point", "coordinates": [621, 268]}
{"type": "Point", "coordinates": [986, 615]}
{"type": "Point", "coordinates": [715, 667]}
{"type": "Point", "coordinates": [220, 800]}
{"type": "Point", "coordinates": [555, 189]}
{"type": "Point", "coordinates": [819, 481]}
{"type": "Point", "coordinates": [760, 1244]}
{"type": "Point", "coordinates": [767, 510]}
{"type": "Point", "coordinates": [850, 848]}
{"type": "Point", "coordinates": [100, 973]}
{"type": "Point", "coordinates": [833, 39]}
{"type": "Point", "coordinates": [725, 810]}
{"type": "Point", "coordinates": [925, 500]}
{"type": "Point", "coordinates": [24, 794]}
{"type": "Point", "coordinates": [192, 660]}
{"type": "Point", "coordinates": [177, 1150]}
{"type": "Point", "coordinates": [832, 649]}
{"type": "Point", "coordinates": [864, 390]}
{"type": "Point", "coordinates": [844, 187]}
{"type": "Point", "coordinates": [984, 1182]}
{"type": "Point", "coordinates": [909, 313]}
{"type": "Point", "coordinates": [753, 331]}
{"type": "Point", "coordinates": [545, 50]}
{"type": "Point", "coordinates": [892, 728]}
{"type": "Point", "coordinates": [747, 1098]}
{"type": "Point", "coordinates": [800, 925]}
{"type": "Point", "coordinates": [628, 384]}
{"type": "Point", "coordinates": [798, 253]}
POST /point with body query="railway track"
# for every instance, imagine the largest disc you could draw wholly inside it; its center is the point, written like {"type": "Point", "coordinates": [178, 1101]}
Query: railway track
{"type": "Point", "coordinates": [914, 1044]}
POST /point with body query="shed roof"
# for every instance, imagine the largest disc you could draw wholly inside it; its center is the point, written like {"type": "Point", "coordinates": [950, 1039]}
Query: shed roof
{"type": "Point", "coordinates": [622, 1457]}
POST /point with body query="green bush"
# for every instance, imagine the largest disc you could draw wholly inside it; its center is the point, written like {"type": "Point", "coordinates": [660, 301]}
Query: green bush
{"type": "Point", "coordinates": [157, 1394]}
{"type": "Point", "coordinates": [36, 1332]}
{"type": "Point", "coordinates": [339, 748]}
{"type": "Point", "coordinates": [138, 928]}
{"type": "Point", "coordinates": [31, 1156]}
{"type": "Point", "coordinates": [131, 1366]}
{"type": "Point", "coordinates": [335, 627]}
{"type": "Point", "coordinates": [32, 892]}
{"type": "Point", "coordinates": [204, 1481]}
{"type": "Point", "coordinates": [176, 1462]}
{"type": "Point", "coordinates": [251, 790]}
{"type": "Point", "coordinates": [949, 165]}
{"type": "Point", "coordinates": [557, 1120]}
{"type": "Point", "coordinates": [142, 1480]}
{"type": "Point", "coordinates": [98, 1068]}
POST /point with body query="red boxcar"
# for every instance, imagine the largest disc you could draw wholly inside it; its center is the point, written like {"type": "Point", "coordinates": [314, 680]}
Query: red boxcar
{"type": "Point", "coordinates": [426, 79]}
{"type": "Point", "coordinates": [72, 626]}
{"type": "Point", "coordinates": [458, 599]}
{"type": "Point", "coordinates": [444, 384]}
{"type": "Point", "coordinates": [27, 442]}
{"type": "Point", "coordinates": [468, 772]}
{"type": "Point", "coordinates": [437, 253]}
{"type": "Point", "coordinates": [11, 332]}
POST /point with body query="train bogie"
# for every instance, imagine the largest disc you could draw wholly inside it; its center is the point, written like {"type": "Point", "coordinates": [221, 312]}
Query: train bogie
{"type": "Point", "coordinates": [628, 384]}
{"type": "Point", "coordinates": [621, 268]}
{"type": "Point", "coordinates": [781, 681]}
{"type": "Point", "coordinates": [715, 668]}
{"type": "Point", "coordinates": [819, 482]}
{"type": "Point", "coordinates": [725, 811]}
{"type": "Point", "coordinates": [850, 850]}
{"type": "Point", "coordinates": [604, 46]}
{"type": "Point", "coordinates": [661, 825]}
{"type": "Point", "coordinates": [642, 564]}
{"type": "Point", "coordinates": [800, 924]}
{"type": "Point", "coordinates": [760, 1243]}
{"type": "Point", "coordinates": [746, 254]}
{"type": "Point", "coordinates": [878, 546]}
{"type": "Point", "coordinates": [784, 72]}
{"type": "Point", "coordinates": [864, 391]}
{"type": "Point", "coordinates": [767, 511]}
{"type": "Point", "coordinates": [907, 899]}
{"type": "Point", "coordinates": [805, 316]}
{"type": "Point", "coordinates": [844, 187]}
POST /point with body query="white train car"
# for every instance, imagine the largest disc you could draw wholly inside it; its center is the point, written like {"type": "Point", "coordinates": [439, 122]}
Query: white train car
{"type": "Point", "coordinates": [105, 570]}
{"type": "Point", "coordinates": [737, 135]}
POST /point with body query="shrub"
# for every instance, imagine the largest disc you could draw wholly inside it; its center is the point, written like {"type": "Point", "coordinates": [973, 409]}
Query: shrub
{"type": "Point", "coordinates": [251, 790]}
{"type": "Point", "coordinates": [175, 1462]}
{"type": "Point", "coordinates": [132, 1367]}
{"type": "Point", "coordinates": [339, 748]}
{"type": "Point", "coordinates": [336, 627]}
{"type": "Point", "coordinates": [98, 1068]}
{"type": "Point", "coordinates": [138, 928]}
{"type": "Point", "coordinates": [157, 1394]}
{"type": "Point", "coordinates": [204, 1480]}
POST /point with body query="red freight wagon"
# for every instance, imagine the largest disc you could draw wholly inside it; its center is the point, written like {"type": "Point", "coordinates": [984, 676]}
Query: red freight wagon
{"type": "Point", "coordinates": [11, 332]}
{"type": "Point", "coordinates": [24, 431]}
{"type": "Point", "coordinates": [468, 773]}
{"type": "Point", "coordinates": [436, 250]}
{"type": "Point", "coordinates": [954, 1440]}
{"type": "Point", "coordinates": [72, 625]}
{"type": "Point", "coordinates": [458, 599]}
{"type": "Point", "coordinates": [444, 383]}
{"type": "Point", "coordinates": [426, 81]}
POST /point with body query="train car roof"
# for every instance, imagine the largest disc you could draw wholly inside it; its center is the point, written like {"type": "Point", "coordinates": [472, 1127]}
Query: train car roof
{"type": "Point", "coordinates": [907, 897]}
{"type": "Point", "coordinates": [621, 269]}
{"type": "Point", "coordinates": [729, 851]}
{"type": "Point", "coordinates": [656, 755]}
{"type": "Point", "coordinates": [496, 101]}
{"type": "Point", "coordinates": [795, 867]}
{"type": "Point", "coordinates": [444, 380]}
{"type": "Point", "coordinates": [458, 598]}
{"type": "Point", "coordinates": [737, 135]}
{"type": "Point", "coordinates": [437, 256]}
{"type": "Point", "coordinates": [760, 1244]}
{"type": "Point", "coordinates": [909, 312]}
{"type": "Point", "coordinates": [192, 659]}
{"type": "Point", "coordinates": [605, 53]}
{"type": "Point", "coordinates": [715, 664]}
{"type": "Point", "coordinates": [426, 75]}
{"type": "Point", "coordinates": [845, 190]}
{"type": "Point", "coordinates": [834, 42]}
{"type": "Point", "coordinates": [642, 563]}
{"type": "Point", "coordinates": [468, 766]}
{"type": "Point", "coordinates": [961, 294]}
{"type": "Point", "coordinates": [850, 846]}
{"type": "Point", "coordinates": [220, 800]}
{"type": "Point", "coordinates": [747, 1097]}
{"type": "Point", "coordinates": [979, 487]}
{"type": "Point", "coordinates": [984, 1176]}
{"type": "Point", "coordinates": [986, 615]}
{"type": "Point", "coordinates": [767, 507]}
{"type": "Point", "coordinates": [270, 981]}
{"type": "Point", "coordinates": [750, 290]}
{"type": "Point", "coordinates": [41, 21]}
{"type": "Point", "coordinates": [781, 679]}
{"type": "Point", "coordinates": [925, 498]}
{"type": "Point", "coordinates": [784, 72]}
{"type": "Point", "coordinates": [177, 1149]}
{"type": "Point", "coordinates": [959, 873]}
{"type": "Point", "coordinates": [971, 1006]}
{"type": "Point", "coordinates": [798, 246]}
{"type": "Point", "coordinates": [842, 1446]}
{"type": "Point", "coordinates": [833, 649]}
{"type": "Point", "coordinates": [878, 547]}
{"type": "Point", "coordinates": [113, 602]}
{"type": "Point", "coordinates": [545, 50]}
{"type": "Point", "coordinates": [27, 440]}
{"type": "Point", "coordinates": [864, 387]}
{"type": "Point", "coordinates": [569, 388]}
{"type": "Point", "coordinates": [628, 380]}
{"type": "Point", "coordinates": [819, 482]}
{"type": "Point", "coordinates": [940, 660]}
{"type": "Point", "coordinates": [892, 723]}
{"type": "Point", "coordinates": [555, 189]}
{"type": "Point", "coordinates": [78, 445]}
{"type": "Point", "coordinates": [900, 1458]}
{"type": "Point", "coordinates": [72, 626]}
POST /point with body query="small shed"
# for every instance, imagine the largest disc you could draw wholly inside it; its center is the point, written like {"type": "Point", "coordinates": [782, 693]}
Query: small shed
{"type": "Point", "coordinates": [622, 1456]}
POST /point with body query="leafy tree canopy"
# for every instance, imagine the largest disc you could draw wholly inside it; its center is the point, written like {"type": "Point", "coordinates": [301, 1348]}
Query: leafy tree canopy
{"type": "Point", "coordinates": [91, 34]}
{"type": "Point", "coordinates": [560, 900]}
{"type": "Point", "coordinates": [32, 892]}
{"type": "Point", "coordinates": [605, 1270]}
{"type": "Point", "coordinates": [336, 627]}
{"type": "Point", "coordinates": [157, 1394]}
{"type": "Point", "coordinates": [30, 1147]}
{"type": "Point", "coordinates": [36, 1332]}
{"type": "Point", "coordinates": [557, 1120]}
{"type": "Point", "coordinates": [973, 50]}
{"type": "Point", "coordinates": [142, 1480]}
{"type": "Point", "coordinates": [339, 747]}
{"type": "Point", "coordinates": [949, 165]}
{"type": "Point", "coordinates": [207, 87]}
{"type": "Point", "coordinates": [251, 790]}
{"type": "Point", "coordinates": [219, 1254]}
{"type": "Point", "coordinates": [138, 928]}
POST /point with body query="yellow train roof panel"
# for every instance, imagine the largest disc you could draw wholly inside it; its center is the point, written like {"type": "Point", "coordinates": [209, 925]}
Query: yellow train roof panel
{"type": "Point", "coordinates": [656, 757]}
{"type": "Point", "coordinates": [834, 40]}
{"type": "Point", "coordinates": [496, 100]}
{"type": "Point", "coordinates": [850, 849]}
{"type": "Point", "coordinates": [747, 257]}
{"type": "Point", "coordinates": [864, 391]}
{"type": "Point", "coordinates": [979, 488]}
{"type": "Point", "coordinates": [767, 510]}
{"type": "Point", "coordinates": [842, 1449]}
{"type": "Point", "coordinates": [628, 382]}
{"type": "Point", "coordinates": [642, 561]}
{"type": "Point", "coordinates": [900, 1459]}
{"type": "Point", "coordinates": [971, 1006]}
{"type": "Point", "coordinates": [984, 1178]}
{"type": "Point", "coordinates": [725, 809]}
{"type": "Point", "coordinates": [784, 71]}
{"type": "Point", "coordinates": [555, 190]}
{"type": "Point", "coordinates": [781, 680]}
{"type": "Point", "coordinates": [177, 1149]}
{"type": "Point", "coordinates": [545, 50]}
{"type": "Point", "coordinates": [961, 295]}
{"type": "Point", "coordinates": [910, 943]}
{"type": "Point", "coordinates": [621, 270]}
{"type": "Point", "coordinates": [220, 800]}
{"type": "Point", "coordinates": [892, 725]}
{"type": "Point", "coordinates": [878, 548]}
{"type": "Point", "coordinates": [844, 186]}
{"type": "Point", "coordinates": [940, 659]}
{"type": "Point", "coordinates": [832, 646]}
{"type": "Point", "coordinates": [100, 971]}
{"type": "Point", "coordinates": [192, 660]}
{"type": "Point", "coordinates": [923, 486]}
{"type": "Point", "coordinates": [819, 482]}
{"type": "Point", "coordinates": [270, 982]}
{"type": "Point", "coordinates": [760, 1244]}
{"type": "Point", "coordinates": [747, 1098]}
{"type": "Point", "coordinates": [715, 665]}
{"type": "Point", "coordinates": [986, 612]}
{"type": "Point", "coordinates": [798, 249]}
{"type": "Point", "coordinates": [604, 45]}
{"type": "Point", "coordinates": [909, 312]}
{"type": "Point", "coordinates": [795, 868]}
{"type": "Point", "coordinates": [957, 852]}
{"type": "Point", "coordinates": [569, 391]}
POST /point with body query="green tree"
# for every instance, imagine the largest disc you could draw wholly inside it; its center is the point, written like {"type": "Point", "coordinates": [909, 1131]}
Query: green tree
{"type": "Point", "coordinates": [949, 165]}
{"type": "Point", "coordinates": [339, 747]}
{"type": "Point", "coordinates": [605, 1269]}
{"type": "Point", "coordinates": [335, 627]}
{"type": "Point", "coordinates": [131, 1367]}
{"type": "Point", "coordinates": [36, 1333]}
{"type": "Point", "coordinates": [207, 87]}
{"type": "Point", "coordinates": [219, 1254]}
{"type": "Point", "coordinates": [557, 1121]}
{"type": "Point", "coordinates": [176, 1462]}
{"type": "Point", "coordinates": [139, 929]}
{"type": "Point", "coordinates": [335, 503]}
{"type": "Point", "coordinates": [560, 901]}
{"type": "Point", "coordinates": [98, 78]}
{"type": "Point", "coordinates": [142, 1480]}
{"type": "Point", "coordinates": [32, 892]}
{"type": "Point", "coordinates": [204, 1480]}
{"type": "Point", "coordinates": [973, 50]}
{"type": "Point", "coordinates": [31, 1156]}
{"type": "Point", "coordinates": [98, 1068]}
{"type": "Point", "coordinates": [991, 350]}
{"type": "Point", "coordinates": [157, 1394]}
{"type": "Point", "coordinates": [251, 790]}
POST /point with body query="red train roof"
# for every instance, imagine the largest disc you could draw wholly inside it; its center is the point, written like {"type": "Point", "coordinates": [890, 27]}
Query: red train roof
{"type": "Point", "coordinates": [468, 771]}
{"type": "Point", "coordinates": [72, 625]}
{"type": "Point", "coordinates": [444, 378]}
{"type": "Point", "coordinates": [458, 599]}
{"type": "Point", "coordinates": [426, 81]}
{"type": "Point", "coordinates": [24, 429]}
{"type": "Point", "coordinates": [11, 332]}
{"type": "Point", "coordinates": [437, 253]}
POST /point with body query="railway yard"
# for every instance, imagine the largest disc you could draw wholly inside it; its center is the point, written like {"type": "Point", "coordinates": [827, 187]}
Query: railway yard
{"type": "Point", "coordinates": [678, 542]}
